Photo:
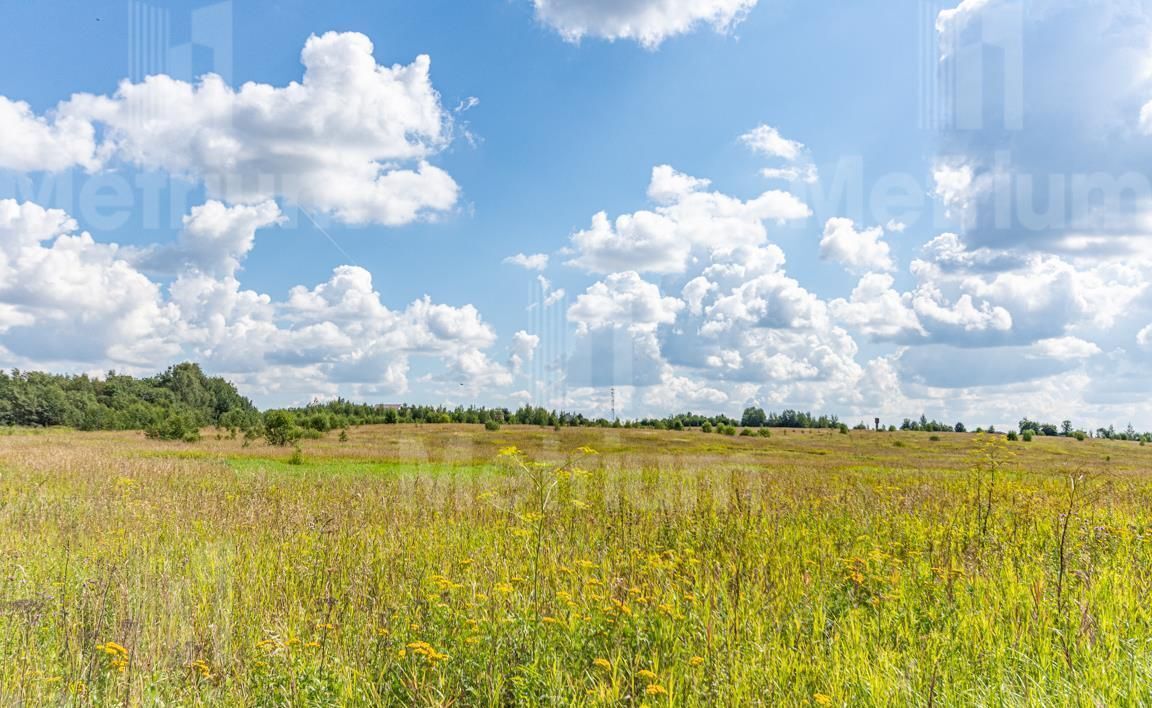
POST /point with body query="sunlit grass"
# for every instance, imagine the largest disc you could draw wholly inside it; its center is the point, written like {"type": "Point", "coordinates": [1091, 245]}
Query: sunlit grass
{"type": "Point", "coordinates": [420, 566]}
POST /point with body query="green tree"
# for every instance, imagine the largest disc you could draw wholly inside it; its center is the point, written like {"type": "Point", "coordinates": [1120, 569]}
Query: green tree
{"type": "Point", "coordinates": [280, 429]}
{"type": "Point", "coordinates": [753, 418]}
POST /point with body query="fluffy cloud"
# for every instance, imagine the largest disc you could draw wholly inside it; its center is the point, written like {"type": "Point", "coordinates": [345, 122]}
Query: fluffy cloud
{"type": "Point", "coordinates": [352, 139]}
{"type": "Point", "coordinates": [215, 239]}
{"type": "Point", "coordinates": [878, 311]}
{"type": "Point", "coordinates": [796, 164]}
{"type": "Point", "coordinates": [744, 329]}
{"type": "Point", "coordinates": [1067, 348]}
{"type": "Point", "coordinates": [766, 140]}
{"type": "Point", "coordinates": [688, 222]}
{"type": "Point", "coordinates": [858, 251]}
{"type": "Point", "coordinates": [648, 22]}
{"type": "Point", "coordinates": [535, 261]}
{"type": "Point", "coordinates": [33, 142]}
{"type": "Point", "coordinates": [68, 299]}
{"type": "Point", "coordinates": [623, 300]}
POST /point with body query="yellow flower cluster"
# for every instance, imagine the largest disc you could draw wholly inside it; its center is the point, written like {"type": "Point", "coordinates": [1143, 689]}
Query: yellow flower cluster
{"type": "Point", "coordinates": [201, 668]}
{"type": "Point", "coordinates": [427, 651]}
{"type": "Point", "coordinates": [117, 655]}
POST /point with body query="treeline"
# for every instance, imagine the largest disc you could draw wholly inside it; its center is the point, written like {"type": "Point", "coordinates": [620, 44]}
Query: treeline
{"type": "Point", "coordinates": [934, 426]}
{"type": "Point", "coordinates": [1067, 430]}
{"type": "Point", "coordinates": [757, 418]}
{"type": "Point", "coordinates": [171, 404]}
{"type": "Point", "coordinates": [340, 413]}
{"type": "Point", "coordinates": [177, 403]}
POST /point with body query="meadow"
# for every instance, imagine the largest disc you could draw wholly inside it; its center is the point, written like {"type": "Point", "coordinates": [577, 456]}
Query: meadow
{"type": "Point", "coordinates": [449, 565]}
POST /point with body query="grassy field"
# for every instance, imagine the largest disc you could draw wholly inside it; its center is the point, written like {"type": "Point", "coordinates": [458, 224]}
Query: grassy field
{"type": "Point", "coordinates": [453, 566]}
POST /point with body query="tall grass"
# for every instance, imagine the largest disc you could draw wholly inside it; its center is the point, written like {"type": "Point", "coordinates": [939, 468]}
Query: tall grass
{"type": "Point", "coordinates": [671, 568]}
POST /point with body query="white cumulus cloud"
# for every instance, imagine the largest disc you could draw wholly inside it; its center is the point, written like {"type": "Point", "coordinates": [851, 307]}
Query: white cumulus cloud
{"type": "Point", "coordinates": [648, 22]}
{"type": "Point", "coordinates": [352, 138]}
{"type": "Point", "coordinates": [534, 261]}
{"type": "Point", "coordinates": [686, 222]}
{"type": "Point", "coordinates": [857, 250]}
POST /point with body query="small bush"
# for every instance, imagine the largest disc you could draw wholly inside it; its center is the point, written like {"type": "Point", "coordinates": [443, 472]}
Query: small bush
{"type": "Point", "coordinates": [1027, 436]}
{"type": "Point", "coordinates": [727, 429]}
{"type": "Point", "coordinates": [765, 433]}
{"type": "Point", "coordinates": [491, 425]}
{"type": "Point", "coordinates": [1013, 437]}
{"type": "Point", "coordinates": [1079, 435]}
{"type": "Point", "coordinates": [746, 433]}
{"type": "Point", "coordinates": [843, 429]}
{"type": "Point", "coordinates": [344, 435]}
{"type": "Point", "coordinates": [934, 438]}
{"type": "Point", "coordinates": [297, 457]}
{"type": "Point", "coordinates": [280, 429]}
{"type": "Point", "coordinates": [174, 426]}
{"type": "Point", "coordinates": [898, 443]}
{"type": "Point", "coordinates": [706, 428]}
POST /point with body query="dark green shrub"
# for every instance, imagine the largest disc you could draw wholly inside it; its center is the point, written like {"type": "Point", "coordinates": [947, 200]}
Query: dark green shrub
{"type": "Point", "coordinates": [280, 429]}
{"type": "Point", "coordinates": [174, 426]}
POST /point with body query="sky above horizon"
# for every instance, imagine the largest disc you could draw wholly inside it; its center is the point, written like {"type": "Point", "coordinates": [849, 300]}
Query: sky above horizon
{"type": "Point", "coordinates": [870, 209]}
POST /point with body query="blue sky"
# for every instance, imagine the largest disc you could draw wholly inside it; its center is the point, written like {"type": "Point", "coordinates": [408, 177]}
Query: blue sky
{"type": "Point", "coordinates": [350, 235]}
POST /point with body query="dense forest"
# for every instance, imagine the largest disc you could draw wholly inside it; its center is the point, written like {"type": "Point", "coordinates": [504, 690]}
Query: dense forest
{"type": "Point", "coordinates": [170, 404]}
